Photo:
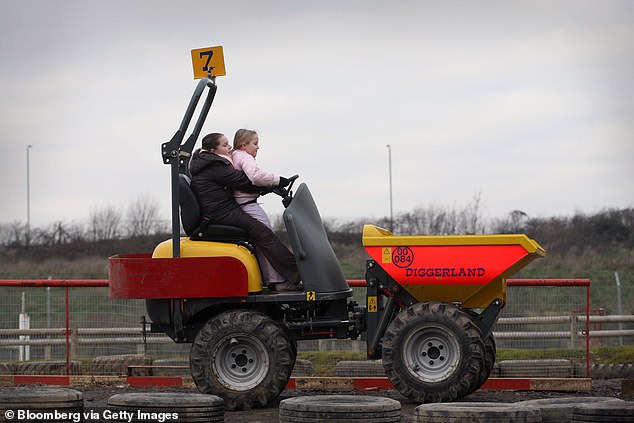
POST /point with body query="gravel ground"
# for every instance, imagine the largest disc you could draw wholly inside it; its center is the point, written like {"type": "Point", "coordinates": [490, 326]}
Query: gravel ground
{"type": "Point", "coordinates": [97, 397]}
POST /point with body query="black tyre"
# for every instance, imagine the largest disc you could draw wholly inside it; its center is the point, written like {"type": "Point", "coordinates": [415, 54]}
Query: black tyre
{"type": "Point", "coordinates": [547, 367]}
{"type": "Point", "coordinates": [339, 408]}
{"type": "Point", "coordinates": [557, 410]}
{"type": "Point", "coordinates": [68, 403]}
{"type": "Point", "coordinates": [37, 396]}
{"type": "Point", "coordinates": [607, 411]}
{"type": "Point", "coordinates": [189, 407]}
{"type": "Point", "coordinates": [46, 368]}
{"type": "Point", "coordinates": [475, 412]}
{"type": "Point", "coordinates": [242, 356]}
{"type": "Point", "coordinates": [360, 368]}
{"type": "Point", "coordinates": [489, 362]}
{"type": "Point", "coordinates": [118, 364]}
{"type": "Point", "coordinates": [302, 368]}
{"type": "Point", "coordinates": [433, 352]}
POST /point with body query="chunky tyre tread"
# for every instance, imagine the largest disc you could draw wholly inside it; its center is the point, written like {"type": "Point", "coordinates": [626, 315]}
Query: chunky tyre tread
{"type": "Point", "coordinates": [271, 334]}
{"type": "Point", "coordinates": [489, 363]}
{"type": "Point", "coordinates": [463, 379]}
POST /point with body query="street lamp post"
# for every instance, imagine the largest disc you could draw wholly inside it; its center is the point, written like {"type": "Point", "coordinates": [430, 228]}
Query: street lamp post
{"type": "Point", "coordinates": [28, 196]}
{"type": "Point", "coordinates": [389, 152]}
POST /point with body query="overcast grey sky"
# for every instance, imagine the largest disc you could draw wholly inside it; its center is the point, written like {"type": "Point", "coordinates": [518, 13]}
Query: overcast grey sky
{"type": "Point", "coordinates": [529, 103]}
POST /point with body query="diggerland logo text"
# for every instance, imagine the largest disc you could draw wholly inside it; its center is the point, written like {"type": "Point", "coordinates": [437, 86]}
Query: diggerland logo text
{"type": "Point", "coordinates": [445, 272]}
{"type": "Point", "coordinates": [403, 257]}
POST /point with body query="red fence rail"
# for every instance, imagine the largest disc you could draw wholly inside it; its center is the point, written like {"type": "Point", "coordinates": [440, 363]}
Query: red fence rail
{"type": "Point", "coordinates": [355, 283]}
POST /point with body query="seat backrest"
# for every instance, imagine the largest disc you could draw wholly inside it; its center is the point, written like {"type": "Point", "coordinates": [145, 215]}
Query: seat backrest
{"type": "Point", "coordinates": [190, 209]}
{"type": "Point", "coordinates": [191, 220]}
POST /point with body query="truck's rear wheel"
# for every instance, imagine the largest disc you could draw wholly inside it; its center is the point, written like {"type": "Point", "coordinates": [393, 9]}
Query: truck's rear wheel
{"type": "Point", "coordinates": [242, 356]}
{"type": "Point", "coordinates": [433, 352]}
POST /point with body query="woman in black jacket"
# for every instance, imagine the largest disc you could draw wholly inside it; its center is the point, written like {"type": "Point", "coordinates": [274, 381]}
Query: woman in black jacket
{"type": "Point", "coordinates": [213, 182]}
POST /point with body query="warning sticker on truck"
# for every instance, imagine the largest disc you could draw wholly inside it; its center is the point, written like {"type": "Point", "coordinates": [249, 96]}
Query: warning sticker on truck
{"type": "Point", "coordinates": [387, 255]}
{"type": "Point", "coordinates": [372, 304]}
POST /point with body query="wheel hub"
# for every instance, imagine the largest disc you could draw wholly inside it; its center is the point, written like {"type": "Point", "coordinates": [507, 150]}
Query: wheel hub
{"type": "Point", "coordinates": [240, 362]}
{"type": "Point", "coordinates": [432, 354]}
{"type": "Point", "coordinates": [242, 359]}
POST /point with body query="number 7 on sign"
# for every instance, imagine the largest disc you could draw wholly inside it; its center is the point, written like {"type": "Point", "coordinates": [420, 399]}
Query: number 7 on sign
{"type": "Point", "coordinates": [208, 61]}
{"type": "Point", "coordinates": [209, 55]}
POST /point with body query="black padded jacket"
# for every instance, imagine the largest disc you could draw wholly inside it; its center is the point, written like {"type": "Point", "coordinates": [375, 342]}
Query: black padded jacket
{"type": "Point", "coordinates": [213, 182]}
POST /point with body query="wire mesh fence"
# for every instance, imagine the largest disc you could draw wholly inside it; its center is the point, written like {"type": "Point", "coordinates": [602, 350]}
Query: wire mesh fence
{"type": "Point", "coordinates": [83, 323]}
{"type": "Point", "coordinates": [97, 325]}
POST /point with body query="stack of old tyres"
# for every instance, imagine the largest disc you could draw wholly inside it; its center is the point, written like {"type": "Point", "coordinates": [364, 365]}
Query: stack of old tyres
{"type": "Point", "coordinates": [558, 410]}
{"type": "Point", "coordinates": [360, 368]}
{"type": "Point", "coordinates": [43, 404]}
{"type": "Point", "coordinates": [47, 368]}
{"type": "Point", "coordinates": [475, 412]}
{"type": "Point", "coordinates": [536, 368]}
{"type": "Point", "coordinates": [167, 406]}
{"type": "Point", "coordinates": [119, 364]}
{"type": "Point", "coordinates": [302, 368]}
{"type": "Point", "coordinates": [601, 412]}
{"type": "Point", "coordinates": [339, 409]}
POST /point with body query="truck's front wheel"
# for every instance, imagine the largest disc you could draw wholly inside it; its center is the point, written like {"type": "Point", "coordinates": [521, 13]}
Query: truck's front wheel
{"type": "Point", "coordinates": [242, 356]}
{"type": "Point", "coordinates": [433, 352]}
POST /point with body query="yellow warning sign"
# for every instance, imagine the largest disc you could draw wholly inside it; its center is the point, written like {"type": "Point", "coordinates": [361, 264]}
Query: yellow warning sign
{"type": "Point", "coordinates": [209, 61]}
{"type": "Point", "coordinates": [372, 304]}
{"type": "Point", "coordinates": [310, 296]}
{"type": "Point", "coordinates": [387, 255]}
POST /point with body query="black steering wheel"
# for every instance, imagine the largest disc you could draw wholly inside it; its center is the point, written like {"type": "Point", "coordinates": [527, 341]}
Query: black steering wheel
{"type": "Point", "coordinates": [286, 192]}
{"type": "Point", "coordinates": [291, 181]}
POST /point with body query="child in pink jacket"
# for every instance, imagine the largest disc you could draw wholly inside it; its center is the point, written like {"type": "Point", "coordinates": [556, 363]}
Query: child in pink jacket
{"type": "Point", "coordinates": [245, 148]}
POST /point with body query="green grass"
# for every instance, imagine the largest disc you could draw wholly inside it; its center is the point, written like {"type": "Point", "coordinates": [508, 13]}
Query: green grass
{"type": "Point", "coordinates": [516, 354]}
{"type": "Point", "coordinates": [608, 355]}
{"type": "Point", "coordinates": [598, 355]}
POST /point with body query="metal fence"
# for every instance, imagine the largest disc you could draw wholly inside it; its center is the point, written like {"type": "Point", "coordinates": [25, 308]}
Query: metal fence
{"type": "Point", "coordinates": [76, 320]}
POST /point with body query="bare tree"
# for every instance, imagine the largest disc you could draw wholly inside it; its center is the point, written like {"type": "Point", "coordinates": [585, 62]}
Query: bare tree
{"type": "Point", "coordinates": [142, 216]}
{"type": "Point", "coordinates": [14, 233]}
{"type": "Point", "coordinates": [5, 234]}
{"type": "Point", "coordinates": [474, 223]}
{"type": "Point", "coordinates": [440, 220]}
{"type": "Point", "coordinates": [58, 233]}
{"type": "Point", "coordinates": [105, 223]}
{"type": "Point", "coordinates": [514, 223]}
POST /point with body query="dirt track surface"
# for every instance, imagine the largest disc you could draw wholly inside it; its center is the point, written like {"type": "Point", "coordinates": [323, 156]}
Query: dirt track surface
{"type": "Point", "coordinates": [96, 398]}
